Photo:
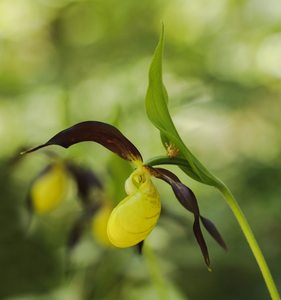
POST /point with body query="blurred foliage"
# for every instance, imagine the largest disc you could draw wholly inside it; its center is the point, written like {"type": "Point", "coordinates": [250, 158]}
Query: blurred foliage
{"type": "Point", "coordinates": [65, 61]}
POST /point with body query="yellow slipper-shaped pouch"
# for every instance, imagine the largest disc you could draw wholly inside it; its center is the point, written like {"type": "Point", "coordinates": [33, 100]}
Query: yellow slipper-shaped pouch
{"type": "Point", "coordinates": [134, 217]}
{"type": "Point", "coordinates": [48, 189]}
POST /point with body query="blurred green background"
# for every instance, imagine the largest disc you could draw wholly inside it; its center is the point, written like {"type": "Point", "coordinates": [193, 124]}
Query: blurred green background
{"type": "Point", "coordinates": [62, 62]}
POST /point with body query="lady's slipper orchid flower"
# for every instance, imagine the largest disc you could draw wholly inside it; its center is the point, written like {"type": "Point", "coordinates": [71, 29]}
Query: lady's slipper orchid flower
{"type": "Point", "coordinates": [48, 188]}
{"type": "Point", "coordinates": [133, 218]}
{"type": "Point", "coordinates": [99, 224]}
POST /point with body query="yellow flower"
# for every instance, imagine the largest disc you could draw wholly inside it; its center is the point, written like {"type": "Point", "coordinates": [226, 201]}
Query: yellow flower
{"type": "Point", "coordinates": [99, 225]}
{"type": "Point", "coordinates": [134, 217]}
{"type": "Point", "coordinates": [49, 188]}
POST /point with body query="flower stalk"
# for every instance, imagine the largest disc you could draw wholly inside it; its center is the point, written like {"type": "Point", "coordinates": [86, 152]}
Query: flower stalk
{"type": "Point", "coordinates": [249, 235]}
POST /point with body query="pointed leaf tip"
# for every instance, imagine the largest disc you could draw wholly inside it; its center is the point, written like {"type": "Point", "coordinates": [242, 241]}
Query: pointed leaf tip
{"type": "Point", "coordinates": [157, 111]}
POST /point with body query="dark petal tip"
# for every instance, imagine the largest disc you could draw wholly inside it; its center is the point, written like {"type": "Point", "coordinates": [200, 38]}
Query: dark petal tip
{"type": "Point", "coordinates": [201, 241]}
{"type": "Point", "coordinates": [211, 228]}
{"type": "Point", "coordinates": [33, 149]}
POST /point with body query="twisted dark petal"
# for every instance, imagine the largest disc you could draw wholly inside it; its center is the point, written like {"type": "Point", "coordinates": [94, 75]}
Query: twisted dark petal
{"type": "Point", "coordinates": [184, 194]}
{"type": "Point", "coordinates": [186, 197]}
{"type": "Point", "coordinates": [211, 228]}
{"type": "Point", "coordinates": [86, 180]}
{"type": "Point", "coordinates": [200, 240]}
{"type": "Point", "coordinates": [77, 229]}
{"type": "Point", "coordinates": [102, 133]}
{"type": "Point", "coordinates": [188, 200]}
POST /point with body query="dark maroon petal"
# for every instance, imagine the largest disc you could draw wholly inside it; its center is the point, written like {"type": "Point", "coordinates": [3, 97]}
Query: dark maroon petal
{"type": "Point", "coordinates": [105, 134]}
{"type": "Point", "coordinates": [211, 228]}
{"type": "Point", "coordinates": [188, 200]}
{"type": "Point", "coordinates": [78, 228]}
{"type": "Point", "coordinates": [85, 179]}
{"type": "Point", "coordinates": [184, 194]}
{"type": "Point", "coordinates": [200, 240]}
{"type": "Point", "coordinates": [186, 197]}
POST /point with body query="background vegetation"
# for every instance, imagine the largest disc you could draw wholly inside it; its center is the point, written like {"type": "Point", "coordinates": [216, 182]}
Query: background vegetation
{"type": "Point", "coordinates": [65, 61]}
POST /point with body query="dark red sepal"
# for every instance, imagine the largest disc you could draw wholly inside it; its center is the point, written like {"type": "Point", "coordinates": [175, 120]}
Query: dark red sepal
{"type": "Point", "coordinates": [102, 133]}
{"type": "Point", "coordinates": [188, 200]}
{"type": "Point", "coordinates": [86, 181]}
{"type": "Point", "coordinates": [81, 223]}
{"type": "Point", "coordinates": [211, 228]}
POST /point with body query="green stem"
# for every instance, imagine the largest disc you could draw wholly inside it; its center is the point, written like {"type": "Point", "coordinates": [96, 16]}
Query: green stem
{"type": "Point", "coordinates": [249, 235]}
{"type": "Point", "coordinates": [241, 219]}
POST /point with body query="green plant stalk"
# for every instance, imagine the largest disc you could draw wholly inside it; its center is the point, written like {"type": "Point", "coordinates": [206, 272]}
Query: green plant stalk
{"type": "Point", "coordinates": [242, 221]}
{"type": "Point", "coordinates": [249, 235]}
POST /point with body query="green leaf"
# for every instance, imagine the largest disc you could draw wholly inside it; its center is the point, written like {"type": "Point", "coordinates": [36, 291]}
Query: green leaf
{"type": "Point", "coordinates": [158, 113]}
